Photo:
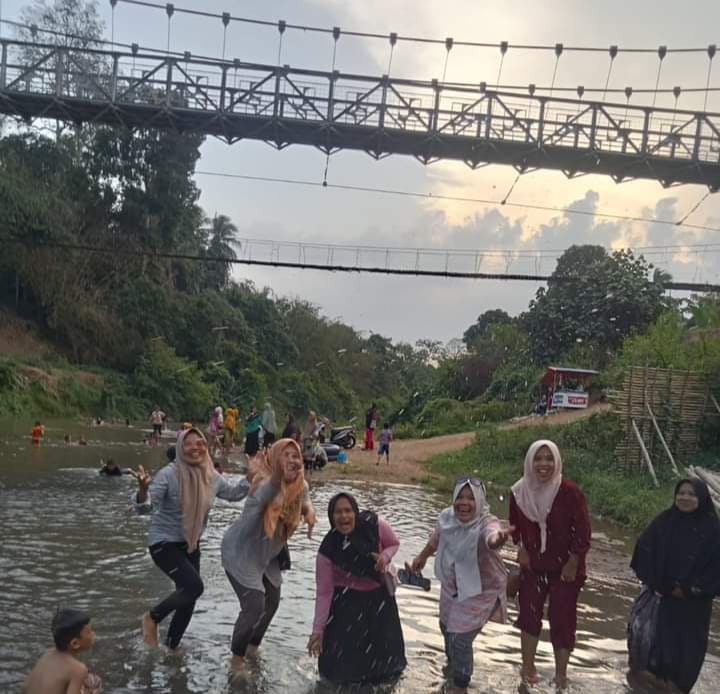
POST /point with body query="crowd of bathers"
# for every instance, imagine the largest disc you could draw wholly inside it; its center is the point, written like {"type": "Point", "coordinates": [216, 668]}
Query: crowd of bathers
{"type": "Point", "coordinates": [357, 634]}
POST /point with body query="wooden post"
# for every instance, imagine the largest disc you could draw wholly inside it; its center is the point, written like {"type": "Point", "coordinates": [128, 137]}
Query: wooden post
{"type": "Point", "coordinates": [714, 402]}
{"type": "Point", "coordinates": [662, 440]}
{"type": "Point", "coordinates": [645, 453]}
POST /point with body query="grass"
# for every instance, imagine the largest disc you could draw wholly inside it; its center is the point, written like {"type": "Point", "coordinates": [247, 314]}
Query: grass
{"type": "Point", "coordinates": [446, 416]}
{"type": "Point", "coordinates": [625, 497]}
{"type": "Point", "coordinates": [34, 387]}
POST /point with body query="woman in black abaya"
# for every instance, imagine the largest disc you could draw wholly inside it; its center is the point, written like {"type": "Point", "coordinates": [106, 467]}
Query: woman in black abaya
{"type": "Point", "coordinates": [678, 558]}
{"type": "Point", "coordinates": [356, 631]}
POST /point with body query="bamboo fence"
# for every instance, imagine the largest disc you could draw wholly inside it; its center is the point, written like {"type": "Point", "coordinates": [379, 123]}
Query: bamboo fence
{"type": "Point", "coordinates": [663, 408]}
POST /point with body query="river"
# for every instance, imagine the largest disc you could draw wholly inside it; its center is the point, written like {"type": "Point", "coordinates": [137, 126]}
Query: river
{"type": "Point", "coordinates": [69, 539]}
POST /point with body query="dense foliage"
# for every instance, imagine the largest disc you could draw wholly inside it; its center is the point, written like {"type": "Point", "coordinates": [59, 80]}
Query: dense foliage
{"type": "Point", "coordinates": [88, 217]}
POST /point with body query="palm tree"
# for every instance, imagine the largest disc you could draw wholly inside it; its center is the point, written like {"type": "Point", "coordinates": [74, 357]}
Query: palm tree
{"type": "Point", "coordinates": [222, 241]}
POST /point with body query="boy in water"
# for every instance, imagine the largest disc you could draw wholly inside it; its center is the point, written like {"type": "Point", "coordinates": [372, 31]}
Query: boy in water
{"type": "Point", "coordinates": [384, 444]}
{"type": "Point", "coordinates": [59, 671]}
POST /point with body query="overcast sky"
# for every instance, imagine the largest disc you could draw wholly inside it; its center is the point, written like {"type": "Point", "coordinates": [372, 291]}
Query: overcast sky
{"type": "Point", "coordinates": [414, 308]}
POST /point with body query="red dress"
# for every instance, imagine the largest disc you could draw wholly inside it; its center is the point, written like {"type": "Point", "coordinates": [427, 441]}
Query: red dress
{"type": "Point", "coordinates": [568, 531]}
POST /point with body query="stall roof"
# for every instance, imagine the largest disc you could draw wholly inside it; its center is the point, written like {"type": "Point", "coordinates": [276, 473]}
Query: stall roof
{"type": "Point", "coordinates": [569, 370]}
{"type": "Point", "coordinates": [549, 376]}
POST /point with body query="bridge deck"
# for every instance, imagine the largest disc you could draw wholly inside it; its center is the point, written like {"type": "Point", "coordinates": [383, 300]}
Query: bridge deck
{"type": "Point", "coordinates": [381, 116]}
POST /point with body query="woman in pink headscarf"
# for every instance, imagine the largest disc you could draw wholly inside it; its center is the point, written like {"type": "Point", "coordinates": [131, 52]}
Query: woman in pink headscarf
{"type": "Point", "coordinates": [552, 529]}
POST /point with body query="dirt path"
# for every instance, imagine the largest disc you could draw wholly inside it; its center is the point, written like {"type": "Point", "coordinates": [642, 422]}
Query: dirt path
{"type": "Point", "coordinates": [553, 420]}
{"type": "Point", "coordinates": [406, 459]}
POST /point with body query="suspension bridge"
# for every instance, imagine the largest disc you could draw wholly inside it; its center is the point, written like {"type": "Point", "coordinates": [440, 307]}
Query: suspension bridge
{"type": "Point", "coordinates": [429, 120]}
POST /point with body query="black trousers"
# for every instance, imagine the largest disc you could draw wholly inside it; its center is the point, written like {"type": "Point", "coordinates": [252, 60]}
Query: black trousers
{"type": "Point", "coordinates": [252, 442]}
{"type": "Point", "coordinates": [184, 569]}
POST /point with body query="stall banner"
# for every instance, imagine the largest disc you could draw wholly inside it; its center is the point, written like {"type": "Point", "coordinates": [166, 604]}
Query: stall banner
{"type": "Point", "coordinates": [570, 399]}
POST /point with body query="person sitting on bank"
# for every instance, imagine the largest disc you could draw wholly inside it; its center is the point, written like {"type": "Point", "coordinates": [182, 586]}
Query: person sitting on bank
{"type": "Point", "coordinates": [60, 671]}
{"type": "Point", "coordinates": [180, 498]}
{"type": "Point", "coordinates": [473, 578]}
{"type": "Point", "coordinates": [356, 636]}
{"type": "Point", "coordinates": [677, 558]}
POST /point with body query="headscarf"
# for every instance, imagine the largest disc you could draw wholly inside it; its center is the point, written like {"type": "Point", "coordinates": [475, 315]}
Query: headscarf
{"type": "Point", "coordinates": [268, 419]}
{"type": "Point", "coordinates": [535, 498]}
{"type": "Point", "coordinates": [351, 553]}
{"type": "Point", "coordinates": [681, 547]}
{"type": "Point", "coordinates": [195, 490]}
{"type": "Point", "coordinates": [286, 507]}
{"type": "Point", "coordinates": [457, 554]}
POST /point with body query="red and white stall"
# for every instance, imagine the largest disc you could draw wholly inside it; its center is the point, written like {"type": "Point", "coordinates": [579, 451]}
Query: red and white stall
{"type": "Point", "coordinates": [566, 387]}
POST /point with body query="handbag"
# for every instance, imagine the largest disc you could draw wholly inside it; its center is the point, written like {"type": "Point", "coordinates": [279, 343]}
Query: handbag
{"type": "Point", "coordinates": [642, 629]}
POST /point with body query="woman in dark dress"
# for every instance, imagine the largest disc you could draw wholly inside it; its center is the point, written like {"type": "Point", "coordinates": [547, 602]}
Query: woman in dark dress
{"type": "Point", "coordinates": [678, 558]}
{"type": "Point", "coordinates": [356, 631]}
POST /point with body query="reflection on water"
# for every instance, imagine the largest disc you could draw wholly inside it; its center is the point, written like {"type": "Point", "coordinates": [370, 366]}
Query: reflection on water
{"type": "Point", "coordinates": [68, 538]}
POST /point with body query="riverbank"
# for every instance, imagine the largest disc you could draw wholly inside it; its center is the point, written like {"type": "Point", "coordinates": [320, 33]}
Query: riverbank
{"type": "Point", "coordinates": [496, 455]}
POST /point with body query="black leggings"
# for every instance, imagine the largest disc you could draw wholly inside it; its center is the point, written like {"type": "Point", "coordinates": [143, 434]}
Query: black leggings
{"type": "Point", "coordinates": [184, 570]}
{"type": "Point", "coordinates": [257, 610]}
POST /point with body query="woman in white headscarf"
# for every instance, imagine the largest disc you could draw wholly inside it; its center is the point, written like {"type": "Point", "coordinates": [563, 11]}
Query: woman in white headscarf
{"type": "Point", "coordinates": [552, 529]}
{"type": "Point", "coordinates": [472, 576]}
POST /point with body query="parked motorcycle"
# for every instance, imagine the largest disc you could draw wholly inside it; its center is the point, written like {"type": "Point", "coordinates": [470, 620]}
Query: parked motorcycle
{"type": "Point", "coordinates": [344, 437]}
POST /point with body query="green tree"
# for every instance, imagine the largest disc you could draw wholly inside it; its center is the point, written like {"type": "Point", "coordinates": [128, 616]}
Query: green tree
{"type": "Point", "coordinates": [74, 26]}
{"type": "Point", "coordinates": [495, 316]}
{"type": "Point", "coordinates": [222, 241]}
{"type": "Point", "coordinates": [592, 298]}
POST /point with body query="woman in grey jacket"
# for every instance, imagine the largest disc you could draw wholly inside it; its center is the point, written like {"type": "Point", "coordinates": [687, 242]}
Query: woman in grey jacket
{"type": "Point", "coordinates": [180, 497]}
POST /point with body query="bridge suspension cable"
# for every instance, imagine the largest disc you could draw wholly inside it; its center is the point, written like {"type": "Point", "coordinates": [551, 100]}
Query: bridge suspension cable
{"type": "Point", "coordinates": [579, 90]}
{"type": "Point", "coordinates": [456, 198]}
{"type": "Point", "coordinates": [409, 39]}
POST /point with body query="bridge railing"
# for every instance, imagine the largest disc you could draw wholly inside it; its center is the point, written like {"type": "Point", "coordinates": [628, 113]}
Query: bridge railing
{"type": "Point", "coordinates": [386, 106]}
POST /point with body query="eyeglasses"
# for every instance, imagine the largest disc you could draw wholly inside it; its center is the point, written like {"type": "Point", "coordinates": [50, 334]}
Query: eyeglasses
{"type": "Point", "coordinates": [474, 481]}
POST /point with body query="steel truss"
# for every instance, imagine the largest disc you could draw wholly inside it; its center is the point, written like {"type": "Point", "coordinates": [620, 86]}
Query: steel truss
{"type": "Point", "coordinates": [234, 100]}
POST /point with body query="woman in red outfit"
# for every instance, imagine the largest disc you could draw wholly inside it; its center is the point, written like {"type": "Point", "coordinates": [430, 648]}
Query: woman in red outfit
{"type": "Point", "coordinates": [552, 529]}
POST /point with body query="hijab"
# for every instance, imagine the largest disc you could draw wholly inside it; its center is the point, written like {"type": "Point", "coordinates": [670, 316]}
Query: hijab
{"type": "Point", "coordinates": [681, 547]}
{"type": "Point", "coordinates": [534, 497]}
{"type": "Point", "coordinates": [285, 509]}
{"type": "Point", "coordinates": [195, 490]}
{"type": "Point", "coordinates": [457, 554]}
{"type": "Point", "coordinates": [268, 419]}
{"type": "Point", "coordinates": [351, 553]}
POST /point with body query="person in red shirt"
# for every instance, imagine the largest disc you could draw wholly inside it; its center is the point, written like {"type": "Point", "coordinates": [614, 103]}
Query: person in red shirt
{"type": "Point", "coordinates": [552, 529]}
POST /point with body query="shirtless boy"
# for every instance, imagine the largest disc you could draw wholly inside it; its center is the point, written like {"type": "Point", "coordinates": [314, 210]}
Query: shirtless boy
{"type": "Point", "coordinates": [59, 671]}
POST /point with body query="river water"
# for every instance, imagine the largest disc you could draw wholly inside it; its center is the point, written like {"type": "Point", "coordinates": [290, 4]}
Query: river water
{"type": "Point", "coordinates": [68, 539]}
